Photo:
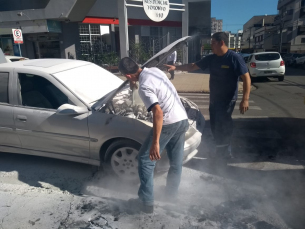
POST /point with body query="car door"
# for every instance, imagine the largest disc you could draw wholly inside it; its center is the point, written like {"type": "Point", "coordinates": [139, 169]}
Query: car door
{"type": "Point", "coordinates": [38, 126]}
{"type": "Point", "coordinates": [8, 135]}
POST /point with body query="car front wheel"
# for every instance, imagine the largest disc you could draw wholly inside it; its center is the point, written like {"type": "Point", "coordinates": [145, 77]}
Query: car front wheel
{"type": "Point", "coordinates": [122, 159]}
{"type": "Point", "coordinates": [281, 78]}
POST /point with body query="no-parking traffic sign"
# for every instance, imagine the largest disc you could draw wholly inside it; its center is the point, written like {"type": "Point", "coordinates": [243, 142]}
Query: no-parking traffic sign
{"type": "Point", "coordinates": [17, 34]}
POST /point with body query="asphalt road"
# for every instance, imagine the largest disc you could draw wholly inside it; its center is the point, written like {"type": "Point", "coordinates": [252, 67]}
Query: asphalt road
{"type": "Point", "coordinates": [262, 188]}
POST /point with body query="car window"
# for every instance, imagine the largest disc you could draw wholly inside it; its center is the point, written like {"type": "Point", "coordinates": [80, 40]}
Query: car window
{"type": "Point", "coordinates": [249, 58]}
{"type": "Point", "coordinates": [267, 57]}
{"type": "Point", "coordinates": [4, 87]}
{"type": "Point", "coordinates": [16, 59]}
{"type": "Point", "coordinates": [36, 91]}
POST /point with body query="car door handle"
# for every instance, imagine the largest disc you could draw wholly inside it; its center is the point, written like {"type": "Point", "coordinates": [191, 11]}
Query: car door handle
{"type": "Point", "coordinates": [22, 118]}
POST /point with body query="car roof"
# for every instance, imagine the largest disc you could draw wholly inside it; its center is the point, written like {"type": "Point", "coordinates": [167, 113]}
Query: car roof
{"type": "Point", "coordinates": [258, 53]}
{"type": "Point", "coordinates": [15, 56]}
{"type": "Point", "coordinates": [46, 65]}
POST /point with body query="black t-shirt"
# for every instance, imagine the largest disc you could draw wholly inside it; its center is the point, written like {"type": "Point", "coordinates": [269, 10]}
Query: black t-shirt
{"type": "Point", "coordinates": [224, 74]}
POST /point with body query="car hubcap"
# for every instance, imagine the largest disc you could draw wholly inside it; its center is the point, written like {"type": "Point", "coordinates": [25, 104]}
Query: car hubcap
{"type": "Point", "coordinates": [124, 163]}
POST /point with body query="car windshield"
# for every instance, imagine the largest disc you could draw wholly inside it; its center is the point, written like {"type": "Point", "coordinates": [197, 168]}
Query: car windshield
{"type": "Point", "coordinates": [89, 82]}
{"type": "Point", "coordinates": [267, 57]}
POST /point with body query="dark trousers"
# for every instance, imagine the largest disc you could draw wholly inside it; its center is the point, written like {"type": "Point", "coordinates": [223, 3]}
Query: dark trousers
{"type": "Point", "coordinates": [173, 72]}
{"type": "Point", "coordinates": [222, 126]}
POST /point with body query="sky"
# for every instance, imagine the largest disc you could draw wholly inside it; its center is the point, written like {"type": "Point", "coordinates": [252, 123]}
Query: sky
{"type": "Point", "coordinates": [235, 13]}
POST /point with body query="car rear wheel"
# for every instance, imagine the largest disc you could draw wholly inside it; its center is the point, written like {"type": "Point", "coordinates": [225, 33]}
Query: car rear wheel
{"type": "Point", "coordinates": [122, 159]}
{"type": "Point", "coordinates": [281, 78]}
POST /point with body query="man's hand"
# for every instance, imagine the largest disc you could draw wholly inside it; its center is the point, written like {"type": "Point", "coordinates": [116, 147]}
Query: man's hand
{"type": "Point", "coordinates": [243, 106]}
{"type": "Point", "coordinates": [154, 153]}
{"type": "Point", "coordinates": [170, 68]}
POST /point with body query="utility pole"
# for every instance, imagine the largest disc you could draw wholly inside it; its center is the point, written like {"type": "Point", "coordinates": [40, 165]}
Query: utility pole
{"type": "Point", "coordinates": [281, 31]}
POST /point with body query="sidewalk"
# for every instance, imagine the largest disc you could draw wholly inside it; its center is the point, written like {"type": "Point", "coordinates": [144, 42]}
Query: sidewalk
{"type": "Point", "coordinates": [194, 82]}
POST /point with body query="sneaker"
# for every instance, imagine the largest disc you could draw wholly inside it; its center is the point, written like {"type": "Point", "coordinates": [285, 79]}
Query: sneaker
{"type": "Point", "coordinates": [136, 205]}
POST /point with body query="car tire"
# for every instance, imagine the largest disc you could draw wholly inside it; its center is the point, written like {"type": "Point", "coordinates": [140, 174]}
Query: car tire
{"type": "Point", "coordinates": [281, 78]}
{"type": "Point", "coordinates": [122, 161]}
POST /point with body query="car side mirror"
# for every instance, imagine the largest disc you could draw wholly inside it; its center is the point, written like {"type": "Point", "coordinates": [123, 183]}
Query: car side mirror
{"type": "Point", "coordinates": [68, 109]}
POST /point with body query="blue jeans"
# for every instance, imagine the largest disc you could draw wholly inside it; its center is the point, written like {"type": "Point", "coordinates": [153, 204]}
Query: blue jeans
{"type": "Point", "coordinates": [222, 126]}
{"type": "Point", "coordinates": [172, 139]}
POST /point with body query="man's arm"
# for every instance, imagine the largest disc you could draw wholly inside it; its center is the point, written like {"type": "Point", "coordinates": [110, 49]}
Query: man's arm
{"type": "Point", "coordinates": [201, 64]}
{"type": "Point", "coordinates": [244, 104]}
{"type": "Point", "coordinates": [185, 67]}
{"type": "Point", "coordinates": [154, 153]}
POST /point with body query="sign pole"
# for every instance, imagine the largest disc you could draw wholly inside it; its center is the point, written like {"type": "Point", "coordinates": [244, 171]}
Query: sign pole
{"type": "Point", "coordinates": [19, 49]}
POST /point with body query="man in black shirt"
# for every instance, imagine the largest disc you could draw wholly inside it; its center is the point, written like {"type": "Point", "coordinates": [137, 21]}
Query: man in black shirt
{"type": "Point", "coordinates": [225, 67]}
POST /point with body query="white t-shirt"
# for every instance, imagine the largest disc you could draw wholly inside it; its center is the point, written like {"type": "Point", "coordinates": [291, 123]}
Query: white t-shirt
{"type": "Point", "coordinates": [172, 57]}
{"type": "Point", "coordinates": [155, 88]}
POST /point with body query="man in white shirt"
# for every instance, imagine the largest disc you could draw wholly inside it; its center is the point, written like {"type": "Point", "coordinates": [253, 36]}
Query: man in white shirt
{"type": "Point", "coordinates": [171, 60]}
{"type": "Point", "coordinates": [170, 124]}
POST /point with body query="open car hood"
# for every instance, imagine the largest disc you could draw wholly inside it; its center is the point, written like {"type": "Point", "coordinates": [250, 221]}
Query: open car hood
{"type": "Point", "coordinates": [156, 61]}
{"type": "Point", "coordinates": [161, 56]}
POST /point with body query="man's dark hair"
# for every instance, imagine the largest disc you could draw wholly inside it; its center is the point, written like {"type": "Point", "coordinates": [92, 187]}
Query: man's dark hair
{"type": "Point", "coordinates": [128, 66]}
{"type": "Point", "coordinates": [221, 36]}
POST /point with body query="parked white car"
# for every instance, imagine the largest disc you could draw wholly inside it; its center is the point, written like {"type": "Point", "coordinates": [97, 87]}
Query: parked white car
{"type": "Point", "coordinates": [75, 110]}
{"type": "Point", "coordinates": [266, 64]}
{"type": "Point", "coordinates": [300, 61]}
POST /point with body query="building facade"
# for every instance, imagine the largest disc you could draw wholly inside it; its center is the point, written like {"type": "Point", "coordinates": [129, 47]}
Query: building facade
{"type": "Point", "coordinates": [234, 42]}
{"type": "Point", "coordinates": [250, 29]}
{"type": "Point", "coordinates": [263, 39]}
{"type": "Point", "coordinates": [216, 25]}
{"type": "Point", "coordinates": [69, 29]}
{"type": "Point", "coordinates": [290, 24]}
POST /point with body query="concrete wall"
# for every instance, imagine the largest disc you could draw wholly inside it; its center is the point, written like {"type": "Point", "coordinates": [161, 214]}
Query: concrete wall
{"type": "Point", "coordinates": [109, 8]}
{"type": "Point", "coordinates": [28, 49]}
{"type": "Point", "coordinates": [12, 5]}
{"type": "Point", "coordinates": [55, 9]}
{"type": "Point", "coordinates": [199, 27]}
{"type": "Point", "coordinates": [69, 40]}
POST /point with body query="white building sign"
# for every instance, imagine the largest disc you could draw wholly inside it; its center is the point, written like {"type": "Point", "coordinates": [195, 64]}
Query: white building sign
{"type": "Point", "coordinates": [104, 29]}
{"type": "Point", "coordinates": [156, 10]}
{"type": "Point", "coordinates": [17, 34]}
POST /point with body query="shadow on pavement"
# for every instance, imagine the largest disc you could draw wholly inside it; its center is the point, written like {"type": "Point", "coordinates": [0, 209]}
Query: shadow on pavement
{"type": "Point", "coordinates": [277, 165]}
{"type": "Point", "coordinates": [45, 172]}
{"type": "Point", "coordinates": [290, 71]}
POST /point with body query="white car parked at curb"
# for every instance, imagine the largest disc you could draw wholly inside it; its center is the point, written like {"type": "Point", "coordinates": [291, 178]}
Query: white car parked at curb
{"type": "Point", "coordinates": [266, 64]}
{"type": "Point", "coordinates": [300, 61]}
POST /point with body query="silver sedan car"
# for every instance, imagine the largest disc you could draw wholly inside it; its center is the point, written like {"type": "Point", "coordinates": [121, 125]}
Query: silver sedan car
{"type": "Point", "coordinates": [75, 110]}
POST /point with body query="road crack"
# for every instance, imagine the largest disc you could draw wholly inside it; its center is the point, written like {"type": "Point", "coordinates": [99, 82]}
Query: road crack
{"type": "Point", "coordinates": [63, 224]}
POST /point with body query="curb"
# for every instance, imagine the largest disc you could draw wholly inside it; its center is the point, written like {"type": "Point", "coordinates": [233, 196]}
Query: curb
{"type": "Point", "coordinates": [253, 88]}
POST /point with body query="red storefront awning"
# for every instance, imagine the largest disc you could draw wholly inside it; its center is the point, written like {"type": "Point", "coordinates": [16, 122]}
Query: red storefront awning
{"type": "Point", "coordinates": [115, 21]}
